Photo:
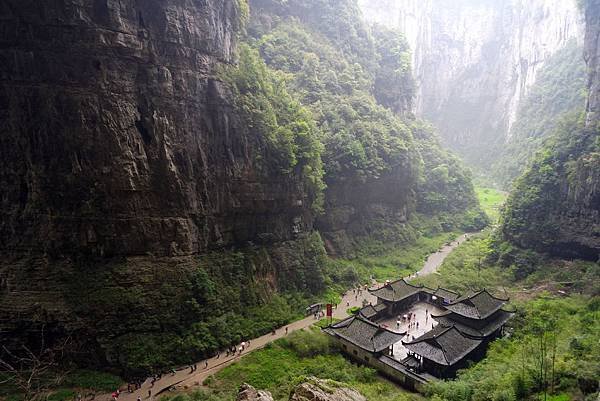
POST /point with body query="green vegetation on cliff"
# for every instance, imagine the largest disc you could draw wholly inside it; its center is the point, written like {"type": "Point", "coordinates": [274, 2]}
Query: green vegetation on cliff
{"type": "Point", "coordinates": [362, 139]}
{"type": "Point", "coordinates": [559, 89]}
{"type": "Point", "coordinates": [381, 165]}
{"type": "Point", "coordinates": [555, 204]}
{"type": "Point", "coordinates": [291, 137]}
{"type": "Point", "coordinates": [219, 299]}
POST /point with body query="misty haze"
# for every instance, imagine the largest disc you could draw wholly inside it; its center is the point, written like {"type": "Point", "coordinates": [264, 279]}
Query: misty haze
{"type": "Point", "coordinates": [303, 200]}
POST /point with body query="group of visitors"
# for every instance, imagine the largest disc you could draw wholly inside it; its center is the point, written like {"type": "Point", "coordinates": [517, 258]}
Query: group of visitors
{"type": "Point", "coordinates": [357, 292]}
{"type": "Point", "coordinates": [134, 385]}
{"type": "Point", "coordinates": [411, 318]}
{"type": "Point", "coordinates": [235, 350]}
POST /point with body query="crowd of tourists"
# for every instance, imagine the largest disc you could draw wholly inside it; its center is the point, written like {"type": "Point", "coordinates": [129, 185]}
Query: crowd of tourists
{"type": "Point", "coordinates": [231, 352]}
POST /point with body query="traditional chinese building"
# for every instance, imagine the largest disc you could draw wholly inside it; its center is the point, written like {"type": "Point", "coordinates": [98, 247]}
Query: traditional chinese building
{"type": "Point", "coordinates": [465, 326]}
{"type": "Point", "coordinates": [442, 351]}
{"type": "Point", "coordinates": [364, 339]}
{"type": "Point", "coordinates": [478, 315]}
{"type": "Point", "coordinates": [398, 295]}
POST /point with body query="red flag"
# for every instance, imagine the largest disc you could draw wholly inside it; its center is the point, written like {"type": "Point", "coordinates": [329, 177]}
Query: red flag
{"type": "Point", "coordinates": [329, 310]}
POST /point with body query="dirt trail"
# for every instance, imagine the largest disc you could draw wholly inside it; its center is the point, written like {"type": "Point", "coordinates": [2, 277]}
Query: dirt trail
{"type": "Point", "coordinates": [435, 260]}
{"type": "Point", "coordinates": [184, 379]}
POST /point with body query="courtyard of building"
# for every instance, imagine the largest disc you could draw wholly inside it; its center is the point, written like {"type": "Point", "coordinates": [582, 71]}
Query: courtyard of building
{"type": "Point", "coordinates": [421, 314]}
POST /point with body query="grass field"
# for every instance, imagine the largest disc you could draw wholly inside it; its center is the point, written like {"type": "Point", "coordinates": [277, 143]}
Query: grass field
{"type": "Point", "coordinates": [491, 201]}
{"type": "Point", "coordinates": [401, 261]}
{"type": "Point", "coordinates": [282, 365]}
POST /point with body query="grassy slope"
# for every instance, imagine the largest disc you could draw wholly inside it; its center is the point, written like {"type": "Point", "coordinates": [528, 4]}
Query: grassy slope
{"type": "Point", "coordinates": [287, 362]}
{"type": "Point", "coordinates": [385, 263]}
{"type": "Point", "coordinates": [491, 201]}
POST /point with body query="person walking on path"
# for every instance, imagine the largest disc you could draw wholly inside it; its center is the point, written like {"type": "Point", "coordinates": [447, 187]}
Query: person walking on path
{"type": "Point", "coordinates": [205, 364]}
{"type": "Point", "coordinates": [149, 393]}
{"type": "Point", "coordinates": [286, 331]}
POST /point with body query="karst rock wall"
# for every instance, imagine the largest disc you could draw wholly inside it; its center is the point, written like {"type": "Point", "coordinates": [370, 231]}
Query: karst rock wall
{"type": "Point", "coordinates": [118, 140]}
{"type": "Point", "coordinates": [122, 159]}
{"type": "Point", "coordinates": [474, 60]}
{"type": "Point", "coordinates": [555, 206]}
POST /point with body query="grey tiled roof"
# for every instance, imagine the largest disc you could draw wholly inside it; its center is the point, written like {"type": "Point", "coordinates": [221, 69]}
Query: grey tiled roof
{"type": "Point", "coordinates": [442, 293]}
{"type": "Point", "coordinates": [477, 306]}
{"type": "Point", "coordinates": [446, 294]}
{"type": "Point", "coordinates": [443, 345]}
{"type": "Point", "coordinates": [368, 311]}
{"type": "Point", "coordinates": [364, 334]}
{"type": "Point", "coordinates": [396, 291]}
{"type": "Point", "coordinates": [371, 310]}
{"type": "Point", "coordinates": [472, 327]}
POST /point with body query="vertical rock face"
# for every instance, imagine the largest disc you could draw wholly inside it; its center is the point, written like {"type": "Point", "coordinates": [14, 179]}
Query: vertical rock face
{"type": "Point", "coordinates": [474, 60]}
{"type": "Point", "coordinates": [121, 160]}
{"type": "Point", "coordinates": [118, 140]}
{"type": "Point", "coordinates": [555, 206]}
{"type": "Point", "coordinates": [592, 56]}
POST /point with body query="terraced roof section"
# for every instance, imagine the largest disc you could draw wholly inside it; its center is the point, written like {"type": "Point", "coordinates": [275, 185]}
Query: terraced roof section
{"type": "Point", "coordinates": [443, 345]}
{"type": "Point", "coordinates": [365, 334]}
{"type": "Point", "coordinates": [480, 305]}
{"type": "Point", "coordinates": [396, 291]}
{"type": "Point", "coordinates": [370, 311]}
{"type": "Point", "coordinates": [475, 328]}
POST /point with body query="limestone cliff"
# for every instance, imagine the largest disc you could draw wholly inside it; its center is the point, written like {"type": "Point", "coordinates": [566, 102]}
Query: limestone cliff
{"type": "Point", "coordinates": [555, 206]}
{"type": "Point", "coordinates": [592, 57]}
{"type": "Point", "coordinates": [474, 61]}
{"type": "Point", "coordinates": [122, 160]}
{"type": "Point", "coordinates": [118, 140]}
{"type": "Point", "coordinates": [359, 87]}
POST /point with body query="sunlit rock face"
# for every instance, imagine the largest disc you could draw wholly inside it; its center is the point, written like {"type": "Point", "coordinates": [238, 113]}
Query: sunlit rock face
{"type": "Point", "coordinates": [474, 60]}
{"type": "Point", "coordinates": [592, 56]}
{"type": "Point", "coordinates": [555, 206]}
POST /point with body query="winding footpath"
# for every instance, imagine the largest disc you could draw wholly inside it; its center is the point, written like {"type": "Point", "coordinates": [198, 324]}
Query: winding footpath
{"type": "Point", "coordinates": [205, 368]}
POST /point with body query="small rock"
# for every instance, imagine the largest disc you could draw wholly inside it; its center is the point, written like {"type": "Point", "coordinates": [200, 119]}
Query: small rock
{"type": "Point", "coordinates": [249, 393]}
{"type": "Point", "coordinates": [324, 390]}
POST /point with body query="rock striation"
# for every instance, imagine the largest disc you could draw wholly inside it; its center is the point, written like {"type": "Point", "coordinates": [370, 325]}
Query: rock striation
{"type": "Point", "coordinates": [592, 56]}
{"type": "Point", "coordinates": [118, 140]}
{"type": "Point", "coordinates": [555, 206]}
{"type": "Point", "coordinates": [122, 159]}
{"type": "Point", "coordinates": [474, 61]}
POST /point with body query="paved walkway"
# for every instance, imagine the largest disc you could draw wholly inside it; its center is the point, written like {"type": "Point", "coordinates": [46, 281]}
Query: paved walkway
{"type": "Point", "coordinates": [185, 379]}
{"type": "Point", "coordinates": [435, 259]}
{"type": "Point", "coordinates": [422, 312]}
